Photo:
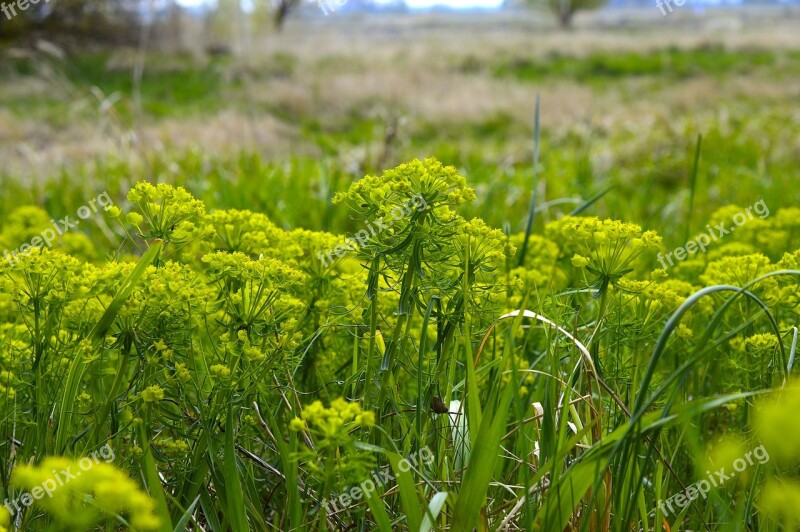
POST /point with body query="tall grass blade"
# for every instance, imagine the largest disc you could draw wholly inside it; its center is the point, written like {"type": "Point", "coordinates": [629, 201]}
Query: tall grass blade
{"type": "Point", "coordinates": [434, 508]}
{"type": "Point", "coordinates": [98, 333]}
{"type": "Point", "coordinates": [591, 201]}
{"type": "Point", "coordinates": [233, 485]}
{"type": "Point", "coordinates": [408, 491]}
{"type": "Point", "coordinates": [693, 187]}
{"type": "Point", "coordinates": [532, 207]}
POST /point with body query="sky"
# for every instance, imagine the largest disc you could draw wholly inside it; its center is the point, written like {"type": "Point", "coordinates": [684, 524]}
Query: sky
{"type": "Point", "coordinates": [456, 4]}
{"type": "Point", "coordinates": [413, 4]}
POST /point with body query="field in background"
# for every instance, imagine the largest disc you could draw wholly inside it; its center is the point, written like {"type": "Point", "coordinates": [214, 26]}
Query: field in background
{"type": "Point", "coordinates": [309, 110]}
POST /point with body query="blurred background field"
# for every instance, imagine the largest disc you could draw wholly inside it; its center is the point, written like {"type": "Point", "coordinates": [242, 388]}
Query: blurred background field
{"type": "Point", "coordinates": [248, 117]}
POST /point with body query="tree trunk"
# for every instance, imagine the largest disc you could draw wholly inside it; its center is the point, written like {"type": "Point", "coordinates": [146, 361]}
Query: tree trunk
{"type": "Point", "coordinates": [284, 7]}
{"type": "Point", "coordinates": [565, 19]}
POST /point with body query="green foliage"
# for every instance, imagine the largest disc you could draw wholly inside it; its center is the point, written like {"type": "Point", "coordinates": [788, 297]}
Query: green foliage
{"type": "Point", "coordinates": [672, 63]}
{"type": "Point", "coordinates": [114, 21]}
{"type": "Point", "coordinates": [565, 10]}
{"type": "Point", "coordinates": [191, 364]}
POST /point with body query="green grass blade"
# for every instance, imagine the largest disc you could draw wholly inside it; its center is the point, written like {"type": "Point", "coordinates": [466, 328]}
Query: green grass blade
{"type": "Point", "coordinates": [591, 201]}
{"type": "Point", "coordinates": [482, 461]}
{"type": "Point", "coordinates": [532, 207]}
{"type": "Point", "coordinates": [473, 396]}
{"type": "Point", "coordinates": [128, 285]}
{"type": "Point", "coordinates": [77, 367]}
{"type": "Point", "coordinates": [378, 511]}
{"type": "Point", "coordinates": [182, 523]}
{"type": "Point", "coordinates": [153, 481]}
{"type": "Point", "coordinates": [233, 485]}
{"type": "Point", "coordinates": [693, 186]}
{"type": "Point", "coordinates": [408, 491]}
{"type": "Point", "coordinates": [434, 508]}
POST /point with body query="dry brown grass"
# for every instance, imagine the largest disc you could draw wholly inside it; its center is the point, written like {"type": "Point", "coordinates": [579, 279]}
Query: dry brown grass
{"type": "Point", "coordinates": [410, 66]}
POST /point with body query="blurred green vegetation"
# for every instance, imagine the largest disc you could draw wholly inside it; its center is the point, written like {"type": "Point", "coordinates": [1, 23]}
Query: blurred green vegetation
{"type": "Point", "coordinates": [743, 159]}
{"type": "Point", "coordinates": [671, 63]}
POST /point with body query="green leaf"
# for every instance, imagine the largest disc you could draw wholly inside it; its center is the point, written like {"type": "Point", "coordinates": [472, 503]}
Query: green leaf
{"type": "Point", "coordinates": [233, 486]}
{"type": "Point", "coordinates": [153, 481]}
{"type": "Point", "coordinates": [408, 491]}
{"type": "Point", "coordinates": [378, 511]}
{"type": "Point", "coordinates": [435, 506]}
{"type": "Point", "coordinates": [97, 335]}
{"type": "Point", "coordinates": [128, 285]}
{"type": "Point", "coordinates": [180, 526]}
{"type": "Point", "coordinates": [482, 461]}
{"type": "Point", "coordinates": [534, 186]}
{"type": "Point", "coordinates": [474, 413]}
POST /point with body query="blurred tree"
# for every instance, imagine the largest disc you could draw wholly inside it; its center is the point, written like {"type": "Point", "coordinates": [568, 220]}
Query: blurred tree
{"type": "Point", "coordinates": [272, 12]}
{"type": "Point", "coordinates": [104, 20]}
{"type": "Point", "coordinates": [221, 22]}
{"type": "Point", "coordinates": [565, 10]}
{"type": "Point", "coordinates": [282, 10]}
{"type": "Point", "coordinates": [230, 19]}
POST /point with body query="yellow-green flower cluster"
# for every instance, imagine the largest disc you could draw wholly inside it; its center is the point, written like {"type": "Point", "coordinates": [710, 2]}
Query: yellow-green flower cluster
{"type": "Point", "coordinates": [165, 212]}
{"type": "Point", "coordinates": [438, 184]}
{"type": "Point", "coordinates": [606, 248]}
{"type": "Point", "coordinates": [173, 448]}
{"type": "Point", "coordinates": [540, 273]}
{"type": "Point", "coordinates": [256, 293]}
{"type": "Point", "coordinates": [775, 424]}
{"type": "Point", "coordinates": [780, 500]}
{"type": "Point", "coordinates": [93, 495]}
{"type": "Point", "coordinates": [489, 248]}
{"type": "Point", "coordinates": [25, 223]}
{"type": "Point", "coordinates": [335, 421]}
{"type": "Point", "coordinates": [5, 519]}
{"type": "Point", "coordinates": [335, 457]}
{"type": "Point", "coordinates": [736, 270]}
{"type": "Point", "coordinates": [240, 268]}
{"type": "Point", "coordinates": [730, 249]}
{"type": "Point", "coordinates": [761, 343]}
{"type": "Point", "coordinates": [655, 300]}
{"type": "Point", "coordinates": [152, 394]}
{"type": "Point", "coordinates": [253, 234]}
{"type": "Point", "coordinates": [220, 371]}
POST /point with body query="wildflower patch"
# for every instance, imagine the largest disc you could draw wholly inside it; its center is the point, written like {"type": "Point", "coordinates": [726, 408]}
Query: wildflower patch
{"type": "Point", "coordinates": [714, 232]}
{"type": "Point", "coordinates": [716, 479]}
{"type": "Point", "coordinates": [59, 227]}
{"type": "Point", "coordinates": [416, 203]}
{"type": "Point", "coordinates": [378, 479]}
{"type": "Point", "coordinates": [58, 476]}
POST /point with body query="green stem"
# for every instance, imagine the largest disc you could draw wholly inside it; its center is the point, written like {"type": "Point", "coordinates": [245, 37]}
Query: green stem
{"type": "Point", "coordinates": [594, 347]}
{"type": "Point", "coordinates": [123, 366]}
{"type": "Point", "coordinates": [373, 329]}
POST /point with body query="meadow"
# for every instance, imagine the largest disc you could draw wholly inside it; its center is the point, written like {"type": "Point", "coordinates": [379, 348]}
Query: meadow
{"type": "Point", "coordinates": [431, 272]}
